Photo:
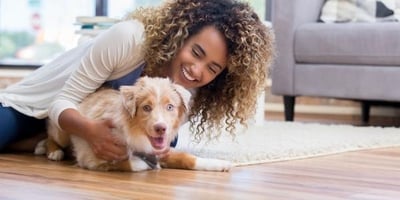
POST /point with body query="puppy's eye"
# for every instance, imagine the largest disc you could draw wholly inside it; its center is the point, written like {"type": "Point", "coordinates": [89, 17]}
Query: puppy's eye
{"type": "Point", "coordinates": [147, 108]}
{"type": "Point", "coordinates": [170, 107]}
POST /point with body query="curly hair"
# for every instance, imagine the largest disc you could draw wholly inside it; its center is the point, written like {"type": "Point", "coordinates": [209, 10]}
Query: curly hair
{"type": "Point", "coordinates": [231, 97]}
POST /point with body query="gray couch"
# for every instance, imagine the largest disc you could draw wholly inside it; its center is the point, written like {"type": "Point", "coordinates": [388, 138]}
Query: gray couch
{"type": "Point", "coordinates": [355, 61]}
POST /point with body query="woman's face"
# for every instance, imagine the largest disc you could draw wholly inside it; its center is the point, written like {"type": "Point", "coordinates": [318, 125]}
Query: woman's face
{"type": "Point", "coordinates": [201, 59]}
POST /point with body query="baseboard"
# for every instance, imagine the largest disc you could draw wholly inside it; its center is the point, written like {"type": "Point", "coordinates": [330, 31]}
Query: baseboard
{"type": "Point", "coordinates": [334, 110]}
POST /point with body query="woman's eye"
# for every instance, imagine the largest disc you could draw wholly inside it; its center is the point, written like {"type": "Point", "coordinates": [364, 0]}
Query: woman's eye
{"type": "Point", "coordinates": [170, 107]}
{"type": "Point", "coordinates": [195, 53]}
{"type": "Point", "coordinates": [213, 69]}
{"type": "Point", "coordinates": [147, 108]}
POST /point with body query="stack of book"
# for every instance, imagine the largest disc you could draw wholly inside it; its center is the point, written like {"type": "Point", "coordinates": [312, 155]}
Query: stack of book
{"type": "Point", "coordinates": [89, 27]}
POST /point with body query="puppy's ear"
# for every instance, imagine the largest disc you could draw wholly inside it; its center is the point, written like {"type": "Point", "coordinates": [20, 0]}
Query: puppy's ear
{"type": "Point", "coordinates": [128, 99]}
{"type": "Point", "coordinates": [184, 94]}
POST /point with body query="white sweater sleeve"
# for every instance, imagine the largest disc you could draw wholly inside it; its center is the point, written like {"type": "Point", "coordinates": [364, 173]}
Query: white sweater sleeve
{"type": "Point", "coordinates": [110, 50]}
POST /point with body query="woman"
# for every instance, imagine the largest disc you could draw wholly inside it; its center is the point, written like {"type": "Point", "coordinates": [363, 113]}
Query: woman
{"type": "Point", "coordinates": [220, 50]}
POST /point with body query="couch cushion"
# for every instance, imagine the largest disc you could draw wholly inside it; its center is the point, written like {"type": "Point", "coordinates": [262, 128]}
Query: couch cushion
{"type": "Point", "coordinates": [348, 43]}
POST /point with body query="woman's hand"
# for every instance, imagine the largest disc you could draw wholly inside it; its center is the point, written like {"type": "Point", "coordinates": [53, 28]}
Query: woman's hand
{"type": "Point", "coordinates": [98, 134]}
{"type": "Point", "coordinates": [104, 144]}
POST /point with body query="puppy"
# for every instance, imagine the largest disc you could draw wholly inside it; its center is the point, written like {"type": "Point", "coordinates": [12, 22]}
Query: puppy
{"type": "Point", "coordinates": [147, 116]}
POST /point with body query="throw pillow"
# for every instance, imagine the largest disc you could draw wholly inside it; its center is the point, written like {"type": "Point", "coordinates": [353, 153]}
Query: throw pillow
{"type": "Point", "coordinates": [360, 11]}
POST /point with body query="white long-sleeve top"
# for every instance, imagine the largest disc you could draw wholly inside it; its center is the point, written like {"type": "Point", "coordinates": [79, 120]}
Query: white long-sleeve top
{"type": "Point", "coordinates": [64, 82]}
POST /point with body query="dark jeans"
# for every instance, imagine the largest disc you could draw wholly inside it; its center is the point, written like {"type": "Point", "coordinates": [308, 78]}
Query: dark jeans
{"type": "Point", "coordinates": [15, 126]}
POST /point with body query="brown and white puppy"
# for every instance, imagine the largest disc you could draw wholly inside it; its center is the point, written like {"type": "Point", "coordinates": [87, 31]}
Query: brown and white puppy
{"type": "Point", "coordinates": [147, 116]}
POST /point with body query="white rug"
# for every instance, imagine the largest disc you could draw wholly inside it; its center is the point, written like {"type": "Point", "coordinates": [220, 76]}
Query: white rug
{"type": "Point", "coordinates": [280, 141]}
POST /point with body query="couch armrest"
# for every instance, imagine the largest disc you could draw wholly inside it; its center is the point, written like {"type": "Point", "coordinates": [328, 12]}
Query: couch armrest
{"type": "Point", "coordinates": [286, 16]}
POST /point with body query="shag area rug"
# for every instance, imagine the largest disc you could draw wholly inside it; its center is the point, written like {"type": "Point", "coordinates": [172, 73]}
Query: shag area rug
{"type": "Point", "coordinates": [274, 141]}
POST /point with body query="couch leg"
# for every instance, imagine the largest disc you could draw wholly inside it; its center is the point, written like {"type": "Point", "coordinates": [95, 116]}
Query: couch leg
{"type": "Point", "coordinates": [289, 102]}
{"type": "Point", "coordinates": [365, 109]}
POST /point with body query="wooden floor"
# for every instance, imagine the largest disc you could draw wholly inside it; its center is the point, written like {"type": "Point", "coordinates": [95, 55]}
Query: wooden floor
{"type": "Point", "coordinates": [372, 174]}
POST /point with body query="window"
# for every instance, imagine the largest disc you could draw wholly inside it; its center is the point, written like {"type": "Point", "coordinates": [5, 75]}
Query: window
{"type": "Point", "coordinates": [33, 32]}
{"type": "Point", "coordinates": [118, 8]}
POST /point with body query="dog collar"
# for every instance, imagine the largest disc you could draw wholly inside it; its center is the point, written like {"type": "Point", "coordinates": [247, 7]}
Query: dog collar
{"type": "Point", "coordinates": [149, 159]}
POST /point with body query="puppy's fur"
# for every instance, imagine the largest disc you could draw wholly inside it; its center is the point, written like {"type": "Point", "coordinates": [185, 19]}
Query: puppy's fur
{"type": "Point", "coordinates": [146, 116]}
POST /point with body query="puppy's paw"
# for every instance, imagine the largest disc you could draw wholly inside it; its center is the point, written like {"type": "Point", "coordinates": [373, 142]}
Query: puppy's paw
{"type": "Point", "coordinates": [40, 148]}
{"type": "Point", "coordinates": [56, 155]}
{"type": "Point", "coordinates": [208, 164]}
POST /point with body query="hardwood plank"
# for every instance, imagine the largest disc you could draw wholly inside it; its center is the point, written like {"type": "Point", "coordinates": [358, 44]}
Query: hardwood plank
{"type": "Point", "coordinates": [372, 174]}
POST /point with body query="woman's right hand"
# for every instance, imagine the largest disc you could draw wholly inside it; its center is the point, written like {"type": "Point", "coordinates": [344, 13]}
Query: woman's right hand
{"type": "Point", "coordinates": [104, 144]}
{"type": "Point", "coordinates": [98, 133]}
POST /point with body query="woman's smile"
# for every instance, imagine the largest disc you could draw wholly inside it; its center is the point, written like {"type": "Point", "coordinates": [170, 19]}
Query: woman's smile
{"type": "Point", "coordinates": [186, 75]}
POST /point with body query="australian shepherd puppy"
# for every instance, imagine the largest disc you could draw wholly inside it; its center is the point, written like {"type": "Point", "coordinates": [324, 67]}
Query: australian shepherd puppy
{"type": "Point", "coordinates": [147, 116]}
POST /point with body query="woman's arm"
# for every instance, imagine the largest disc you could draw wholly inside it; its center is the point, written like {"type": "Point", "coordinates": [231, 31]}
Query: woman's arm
{"type": "Point", "coordinates": [109, 51]}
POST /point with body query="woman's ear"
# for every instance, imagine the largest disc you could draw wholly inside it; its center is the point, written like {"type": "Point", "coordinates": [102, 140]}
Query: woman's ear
{"type": "Point", "coordinates": [128, 99]}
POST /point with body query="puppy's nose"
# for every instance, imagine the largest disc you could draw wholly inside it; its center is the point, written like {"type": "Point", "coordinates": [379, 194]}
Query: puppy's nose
{"type": "Point", "coordinates": [160, 128]}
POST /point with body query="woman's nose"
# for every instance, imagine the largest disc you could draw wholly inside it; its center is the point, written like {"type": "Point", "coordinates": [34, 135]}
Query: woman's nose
{"type": "Point", "coordinates": [197, 70]}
